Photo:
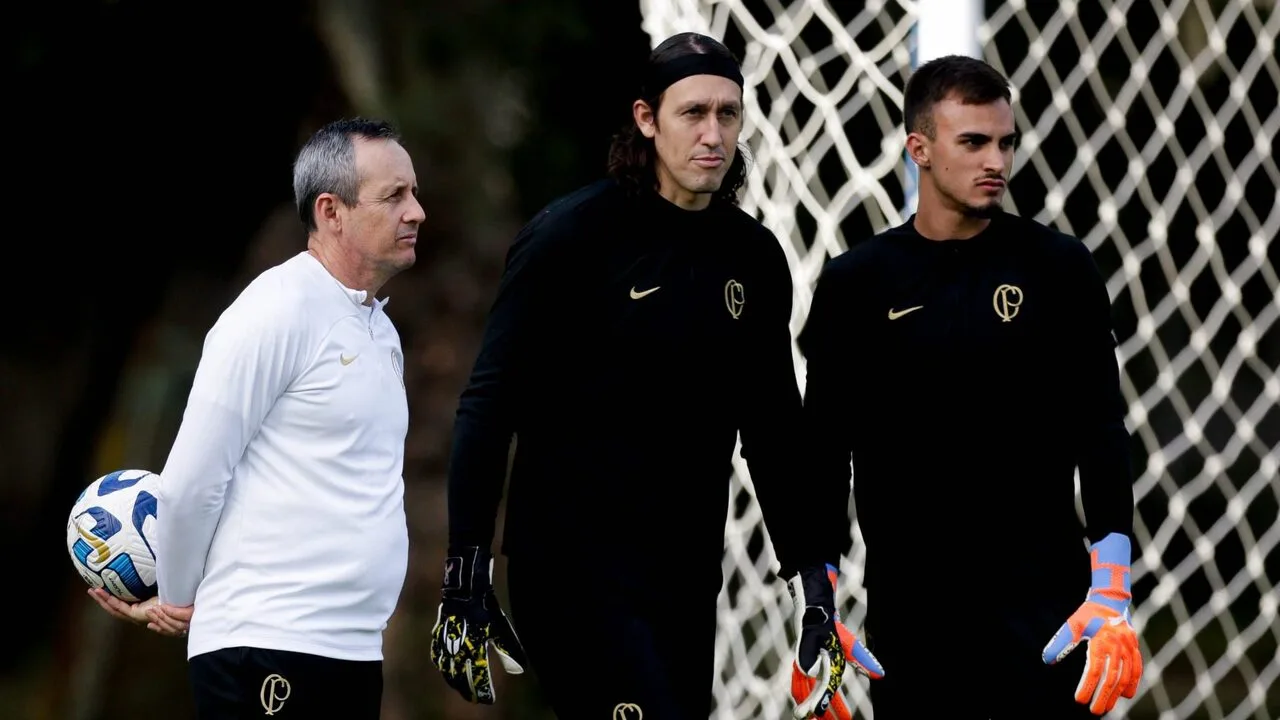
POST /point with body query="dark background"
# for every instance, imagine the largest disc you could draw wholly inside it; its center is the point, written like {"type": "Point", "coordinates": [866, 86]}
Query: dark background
{"type": "Point", "coordinates": [150, 146]}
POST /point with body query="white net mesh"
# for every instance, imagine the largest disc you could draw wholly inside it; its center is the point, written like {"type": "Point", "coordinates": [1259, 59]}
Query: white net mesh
{"type": "Point", "coordinates": [1148, 132]}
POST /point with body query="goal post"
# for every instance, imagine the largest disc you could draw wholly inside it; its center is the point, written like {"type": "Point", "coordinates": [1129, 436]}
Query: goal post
{"type": "Point", "coordinates": [1147, 130]}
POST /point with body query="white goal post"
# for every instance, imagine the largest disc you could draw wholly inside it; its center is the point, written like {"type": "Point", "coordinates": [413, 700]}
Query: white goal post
{"type": "Point", "coordinates": [1148, 131]}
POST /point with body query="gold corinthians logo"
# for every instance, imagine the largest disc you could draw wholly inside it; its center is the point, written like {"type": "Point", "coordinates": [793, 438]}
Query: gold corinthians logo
{"type": "Point", "coordinates": [1006, 301]}
{"type": "Point", "coordinates": [630, 711]}
{"type": "Point", "coordinates": [734, 298]}
{"type": "Point", "coordinates": [275, 690]}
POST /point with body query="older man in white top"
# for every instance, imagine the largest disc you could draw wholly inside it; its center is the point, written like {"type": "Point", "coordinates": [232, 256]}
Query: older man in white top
{"type": "Point", "coordinates": [281, 537]}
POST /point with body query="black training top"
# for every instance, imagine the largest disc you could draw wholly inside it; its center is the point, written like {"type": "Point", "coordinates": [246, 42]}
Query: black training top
{"type": "Point", "coordinates": [967, 379]}
{"type": "Point", "coordinates": [630, 342]}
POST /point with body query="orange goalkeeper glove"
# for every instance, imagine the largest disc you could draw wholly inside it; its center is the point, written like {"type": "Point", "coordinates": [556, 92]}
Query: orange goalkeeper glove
{"type": "Point", "coordinates": [824, 648]}
{"type": "Point", "coordinates": [1113, 666]}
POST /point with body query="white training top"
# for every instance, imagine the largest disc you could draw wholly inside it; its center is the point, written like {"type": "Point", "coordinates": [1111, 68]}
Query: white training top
{"type": "Point", "coordinates": [281, 506]}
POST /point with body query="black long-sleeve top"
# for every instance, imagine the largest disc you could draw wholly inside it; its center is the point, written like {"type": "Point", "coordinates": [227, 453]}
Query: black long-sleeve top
{"type": "Point", "coordinates": [966, 380]}
{"type": "Point", "coordinates": [629, 343]}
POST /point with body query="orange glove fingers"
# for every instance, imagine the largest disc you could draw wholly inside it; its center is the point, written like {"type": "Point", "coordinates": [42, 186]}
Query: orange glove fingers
{"type": "Point", "coordinates": [1113, 667]}
{"type": "Point", "coordinates": [1126, 670]}
{"type": "Point", "coordinates": [802, 685]}
{"type": "Point", "coordinates": [1094, 665]}
{"type": "Point", "coordinates": [1109, 686]}
{"type": "Point", "coordinates": [1129, 687]}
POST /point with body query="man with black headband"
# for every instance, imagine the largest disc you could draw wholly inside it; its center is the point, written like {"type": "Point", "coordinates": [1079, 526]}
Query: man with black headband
{"type": "Point", "coordinates": [641, 324]}
{"type": "Point", "coordinates": [965, 362]}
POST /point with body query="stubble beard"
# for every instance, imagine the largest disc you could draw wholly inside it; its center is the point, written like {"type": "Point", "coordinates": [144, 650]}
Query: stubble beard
{"type": "Point", "coordinates": [985, 211]}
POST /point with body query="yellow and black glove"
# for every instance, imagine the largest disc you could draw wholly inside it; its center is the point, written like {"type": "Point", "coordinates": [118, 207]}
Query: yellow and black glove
{"type": "Point", "coordinates": [825, 648]}
{"type": "Point", "coordinates": [468, 620]}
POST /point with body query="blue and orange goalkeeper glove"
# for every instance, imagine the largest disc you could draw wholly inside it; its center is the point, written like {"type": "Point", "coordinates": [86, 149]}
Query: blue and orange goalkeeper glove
{"type": "Point", "coordinates": [825, 648]}
{"type": "Point", "coordinates": [1113, 666]}
{"type": "Point", "coordinates": [467, 622]}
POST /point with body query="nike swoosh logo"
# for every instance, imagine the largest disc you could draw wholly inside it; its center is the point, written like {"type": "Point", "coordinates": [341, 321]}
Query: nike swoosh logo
{"type": "Point", "coordinates": [637, 295]}
{"type": "Point", "coordinates": [347, 360]}
{"type": "Point", "coordinates": [895, 314]}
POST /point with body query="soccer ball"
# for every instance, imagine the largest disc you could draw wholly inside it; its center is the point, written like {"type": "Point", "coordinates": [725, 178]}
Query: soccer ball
{"type": "Point", "coordinates": [110, 531]}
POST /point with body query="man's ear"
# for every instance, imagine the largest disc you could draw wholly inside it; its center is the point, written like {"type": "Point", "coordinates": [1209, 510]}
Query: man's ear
{"type": "Point", "coordinates": [918, 149]}
{"type": "Point", "coordinates": [645, 118]}
{"type": "Point", "coordinates": [326, 212]}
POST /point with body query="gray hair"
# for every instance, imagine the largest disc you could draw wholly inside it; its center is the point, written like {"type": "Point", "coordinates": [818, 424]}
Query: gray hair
{"type": "Point", "coordinates": [327, 163]}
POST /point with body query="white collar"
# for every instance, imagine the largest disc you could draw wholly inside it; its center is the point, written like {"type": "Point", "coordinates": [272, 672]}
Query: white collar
{"type": "Point", "coordinates": [356, 296]}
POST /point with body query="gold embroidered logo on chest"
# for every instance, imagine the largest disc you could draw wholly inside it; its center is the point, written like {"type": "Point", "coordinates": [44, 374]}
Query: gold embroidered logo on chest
{"type": "Point", "coordinates": [734, 298]}
{"type": "Point", "coordinates": [1006, 301]}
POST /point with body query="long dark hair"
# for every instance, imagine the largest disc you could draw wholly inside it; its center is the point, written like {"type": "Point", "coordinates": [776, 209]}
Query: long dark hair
{"type": "Point", "coordinates": [633, 157]}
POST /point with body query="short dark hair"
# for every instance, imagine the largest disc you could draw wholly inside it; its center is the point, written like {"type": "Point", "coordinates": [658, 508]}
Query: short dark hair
{"type": "Point", "coordinates": [972, 80]}
{"type": "Point", "coordinates": [632, 156]}
{"type": "Point", "coordinates": [327, 163]}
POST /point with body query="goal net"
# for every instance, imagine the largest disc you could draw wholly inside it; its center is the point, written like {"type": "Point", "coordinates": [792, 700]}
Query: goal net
{"type": "Point", "coordinates": [1147, 131]}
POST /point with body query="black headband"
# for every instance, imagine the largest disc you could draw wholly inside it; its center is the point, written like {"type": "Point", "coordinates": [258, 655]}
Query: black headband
{"type": "Point", "coordinates": [662, 76]}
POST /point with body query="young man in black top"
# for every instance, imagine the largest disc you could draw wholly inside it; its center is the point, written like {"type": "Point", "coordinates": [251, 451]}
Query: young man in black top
{"type": "Point", "coordinates": [642, 322]}
{"type": "Point", "coordinates": [965, 362]}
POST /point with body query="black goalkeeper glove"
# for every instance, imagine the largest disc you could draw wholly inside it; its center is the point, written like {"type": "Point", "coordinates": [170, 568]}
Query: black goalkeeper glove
{"type": "Point", "coordinates": [819, 662]}
{"type": "Point", "coordinates": [817, 670]}
{"type": "Point", "coordinates": [468, 619]}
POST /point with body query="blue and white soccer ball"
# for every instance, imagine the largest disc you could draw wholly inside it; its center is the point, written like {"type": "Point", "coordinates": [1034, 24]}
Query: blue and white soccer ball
{"type": "Point", "coordinates": [110, 531]}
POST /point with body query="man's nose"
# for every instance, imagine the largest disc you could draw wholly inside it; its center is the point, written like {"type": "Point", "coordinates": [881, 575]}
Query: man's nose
{"type": "Point", "coordinates": [995, 160]}
{"type": "Point", "coordinates": [416, 213]}
{"type": "Point", "coordinates": [712, 136]}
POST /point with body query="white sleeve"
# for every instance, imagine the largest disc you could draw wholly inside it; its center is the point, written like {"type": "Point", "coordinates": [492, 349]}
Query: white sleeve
{"type": "Point", "coordinates": [250, 358]}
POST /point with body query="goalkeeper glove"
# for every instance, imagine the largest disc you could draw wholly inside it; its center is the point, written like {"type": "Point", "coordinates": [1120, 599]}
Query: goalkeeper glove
{"type": "Point", "coordinates": [467, 621]}
{"type": "Point", "coordinates": [824, 648]}
{"type": "Point", "coordinates": [1113, 665]}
